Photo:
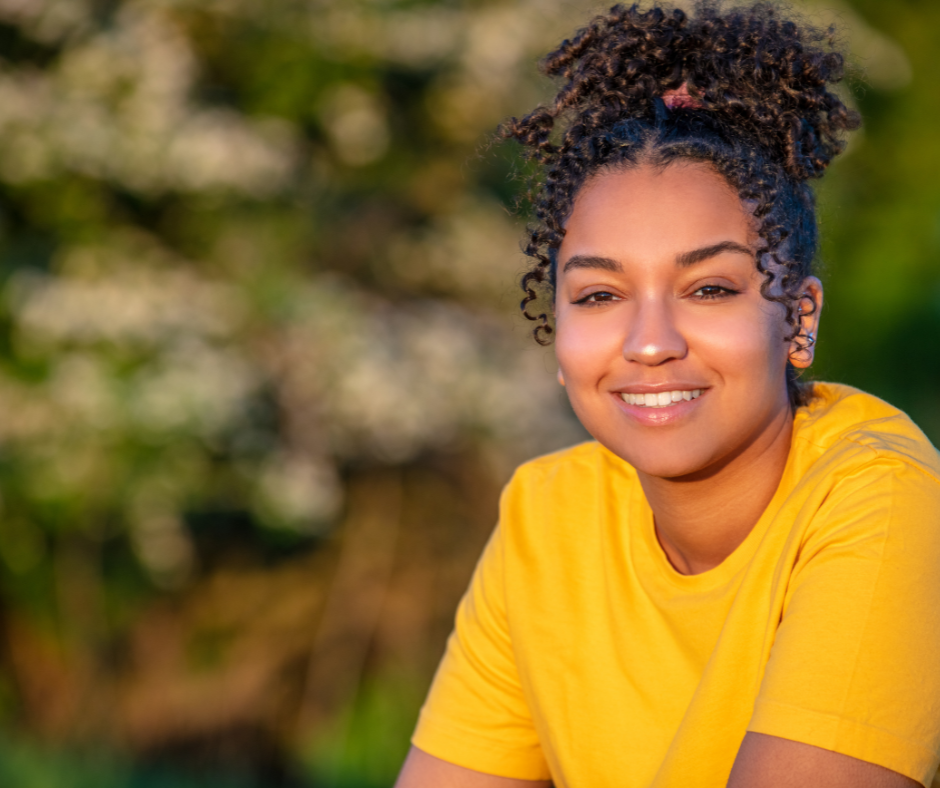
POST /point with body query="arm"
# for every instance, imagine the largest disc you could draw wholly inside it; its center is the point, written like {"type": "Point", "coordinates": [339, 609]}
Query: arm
{"type": "Point", "coordinates": [476, 713]}
{"type": "Point", "coordinates": [425, 771]}
{"type": "Point", "coordinates": [771, 762]}
{"type": "Point", "coordinates": [852, 668]}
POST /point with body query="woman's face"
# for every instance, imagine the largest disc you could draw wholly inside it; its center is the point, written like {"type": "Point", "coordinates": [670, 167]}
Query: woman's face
{"type": "Point", "coordinates": [671, 356]}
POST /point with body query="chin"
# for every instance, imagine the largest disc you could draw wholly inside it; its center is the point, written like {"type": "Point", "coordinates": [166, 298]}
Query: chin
{"type": "Point", "coordinates": [667, 468]}
{"type": "Point", "coordinates": [664, 459]}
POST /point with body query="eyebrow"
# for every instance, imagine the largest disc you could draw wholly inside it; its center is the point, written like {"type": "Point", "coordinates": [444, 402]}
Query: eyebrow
{"type": "Point", "coordinates": [589, 261]}
{"type": "Point", "coordinates": [696, 256]}
{"type": "Point", "coordinates": [683, 260]}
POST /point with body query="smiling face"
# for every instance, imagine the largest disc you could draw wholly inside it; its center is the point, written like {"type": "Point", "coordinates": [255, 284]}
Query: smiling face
{"type": "Point", "coordinates": [671, 356]}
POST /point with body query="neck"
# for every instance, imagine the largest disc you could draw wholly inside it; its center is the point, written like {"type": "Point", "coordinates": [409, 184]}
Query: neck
{"type": "Point", "coordinates": [701, 519]}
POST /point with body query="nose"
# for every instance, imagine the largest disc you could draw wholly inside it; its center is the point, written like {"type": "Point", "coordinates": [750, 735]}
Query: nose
{"type": "Point", "coordinates": [653, 337]}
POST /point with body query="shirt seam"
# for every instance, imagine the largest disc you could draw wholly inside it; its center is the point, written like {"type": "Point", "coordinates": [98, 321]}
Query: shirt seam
{"type": "Point", "coordinates": [890, 454]}
{"type": "Point", "coordinates": [443, 728]}
{"type": "Point", "coordinates": [843, 719]}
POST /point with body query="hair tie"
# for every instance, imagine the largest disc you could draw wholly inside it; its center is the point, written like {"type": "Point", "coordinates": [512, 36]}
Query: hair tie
{"type": "Point", "coordinates": [680, 97]}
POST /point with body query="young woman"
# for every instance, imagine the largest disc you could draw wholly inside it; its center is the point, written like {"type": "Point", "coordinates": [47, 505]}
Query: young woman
{"type": "Point", "coordinates": [738, 582]}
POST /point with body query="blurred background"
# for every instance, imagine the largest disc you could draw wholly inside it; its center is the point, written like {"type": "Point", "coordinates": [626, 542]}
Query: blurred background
{"type": "Point", "coordinates": [262, 375]}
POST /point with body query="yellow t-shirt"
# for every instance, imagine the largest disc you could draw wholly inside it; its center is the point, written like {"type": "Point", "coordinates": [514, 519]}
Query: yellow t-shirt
{"type": "Point", "coordinates": [581, 655]}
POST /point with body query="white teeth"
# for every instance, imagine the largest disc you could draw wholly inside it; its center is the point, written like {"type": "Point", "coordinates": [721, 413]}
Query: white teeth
{"type": "Point", "coordinates": [661, 400]}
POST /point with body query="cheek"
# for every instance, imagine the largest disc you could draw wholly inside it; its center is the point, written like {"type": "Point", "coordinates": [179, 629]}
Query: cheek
{"type": "Point", "coordinates": [746, 343]}
{"type": "Point", "coordinates": [584, 344]}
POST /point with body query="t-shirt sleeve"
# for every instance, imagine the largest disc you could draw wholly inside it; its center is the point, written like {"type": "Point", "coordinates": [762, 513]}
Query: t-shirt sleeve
{"type": "Point", "coordinates": [476, 715]}
{"type": "Point", "coordinates": [855, 666]}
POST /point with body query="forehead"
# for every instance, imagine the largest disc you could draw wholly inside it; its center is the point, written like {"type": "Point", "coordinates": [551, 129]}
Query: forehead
{"type": "Point", "coordinates": [652, 212]}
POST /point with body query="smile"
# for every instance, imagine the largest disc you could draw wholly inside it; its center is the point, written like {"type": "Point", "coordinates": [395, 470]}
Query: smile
{"type": "Point", "coordinates": [662, 399]}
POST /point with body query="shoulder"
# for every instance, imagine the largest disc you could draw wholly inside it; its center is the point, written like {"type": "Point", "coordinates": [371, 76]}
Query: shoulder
{"type": "Point", "coordinates": [560, 504]}
{"type": "Point", "coordinates": [872, 475]}
{"type": "Point", "coordinates": [844, 429]}
{"type": "Point", "coordinates": [588, 457]}
{"type": "Point", "coordinates": [579, 472]}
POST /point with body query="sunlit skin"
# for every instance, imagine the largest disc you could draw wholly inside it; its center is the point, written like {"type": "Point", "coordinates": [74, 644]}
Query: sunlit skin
{"type": "Point", "coordinates": [658, 290]}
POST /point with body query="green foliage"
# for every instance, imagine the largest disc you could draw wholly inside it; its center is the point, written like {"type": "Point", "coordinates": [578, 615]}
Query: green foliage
{"type": "Point", "coordinates": [369, 740]}
{"type": "Point", "coordinates": [28, 766]}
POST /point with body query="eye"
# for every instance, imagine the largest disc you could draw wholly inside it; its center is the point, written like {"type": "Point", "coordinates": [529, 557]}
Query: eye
{"type": "Point", "coordinates": [711, 292]}
{"type": "Point", "coordinates": [596, 298]}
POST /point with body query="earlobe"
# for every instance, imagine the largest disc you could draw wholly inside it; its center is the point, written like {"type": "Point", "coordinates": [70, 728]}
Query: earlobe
{"type": "Point", "coordinates": [801, 346]}
{"type": "Point", "coordinates": [801, 353]}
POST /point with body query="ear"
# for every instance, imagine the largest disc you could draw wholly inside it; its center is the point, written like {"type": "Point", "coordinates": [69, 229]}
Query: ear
{"type": "Point", "coordinates": [561, 377]}
{"type": "Point", "coordinates": [809, 306]}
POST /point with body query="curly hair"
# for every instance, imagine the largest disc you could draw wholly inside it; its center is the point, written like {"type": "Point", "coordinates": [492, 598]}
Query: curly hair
{"type": "Point", "coordinates": [762, 116]}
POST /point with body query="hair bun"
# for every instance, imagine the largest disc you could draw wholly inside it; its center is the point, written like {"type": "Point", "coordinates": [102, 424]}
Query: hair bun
{"type": "Point", "coordinates": [760, 76]}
